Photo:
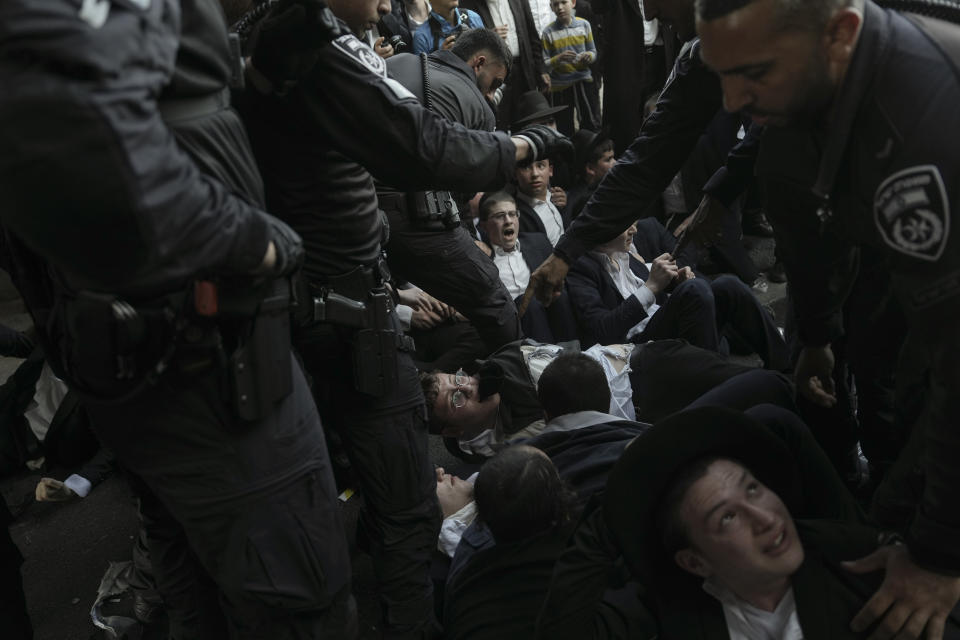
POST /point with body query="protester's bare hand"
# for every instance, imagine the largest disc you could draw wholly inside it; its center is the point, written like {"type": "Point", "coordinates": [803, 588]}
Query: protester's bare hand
{"type": "Point", "coordinates": [502, 30]}
{"type": "Point", "coordinates": [583, 59]}
{"type": "Point", "coordinates": [558, 197]}
{"type": "Point", "coordinates": [684, 274]}
{"type": "Point", "coordinates": [568, 57]}
{"type": "Point", "coordinates": [546, 283]}
{"type": "Point", "coordinates": [662, 273]}
{"type": "Point", "coordinates": [425, 319]}
{"type": "Point", "coordinates": [448, 42]}
{"type": "Point", "coordinates": [911, 603]}
{"type": "Point", "coordinates": [50, 490]}
{"type": "Point", "coordinates": [814, 375]}
{"type": "Point", "coordinates": [383, 50]}
{"type": "Point", "coordinates": [483, 246]}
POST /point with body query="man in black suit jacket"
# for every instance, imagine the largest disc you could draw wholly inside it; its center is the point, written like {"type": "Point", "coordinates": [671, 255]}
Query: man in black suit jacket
{"type": "Point", "coordinates": [528, 70]}
{"type": "Point", "coordinates": [617, 298]}
{"type": "Point", "coordinates": [517, 255]}
{"type": "Point", "coordinates": [542, 208]}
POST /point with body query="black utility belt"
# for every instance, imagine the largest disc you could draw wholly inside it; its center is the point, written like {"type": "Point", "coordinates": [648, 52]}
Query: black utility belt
{"type": "Point", "coordinates": [428, 210]}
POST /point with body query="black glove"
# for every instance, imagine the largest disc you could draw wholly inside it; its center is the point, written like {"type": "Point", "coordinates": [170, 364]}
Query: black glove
{"type": "Point", "coordinates": [545, 143]}
{"type": "Point", "coordinates": [288, 246]}
{"type": "Point", "coordinates": [286, 43]}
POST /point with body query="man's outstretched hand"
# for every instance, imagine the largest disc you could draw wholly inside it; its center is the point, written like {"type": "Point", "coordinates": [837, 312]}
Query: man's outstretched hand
{"type": "Point", "coordinates": [911, 603]}
{"type": "Point", "coordinates": [546, 283]}
{"type": "Point", "coordinates": [814, 375]}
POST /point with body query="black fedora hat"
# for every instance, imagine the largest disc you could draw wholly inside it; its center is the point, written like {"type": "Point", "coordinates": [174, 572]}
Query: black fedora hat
{"type": "Point", "coordinates": [651, 463]}
{"type": "Point", "coordinates": [533, 106]}
{"type": "Point", "coordinates": [584, 142]}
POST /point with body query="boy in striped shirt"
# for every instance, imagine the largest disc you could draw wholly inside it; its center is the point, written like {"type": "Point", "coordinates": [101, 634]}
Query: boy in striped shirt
{"type": "Point", "coordinates": [568, 52]}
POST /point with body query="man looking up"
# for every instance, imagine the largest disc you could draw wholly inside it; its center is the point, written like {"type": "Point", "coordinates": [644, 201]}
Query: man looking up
{"type": "Point", "coordinates": [864, 95]}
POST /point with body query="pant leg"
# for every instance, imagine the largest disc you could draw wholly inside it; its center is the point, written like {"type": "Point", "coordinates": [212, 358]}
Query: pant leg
{"type": "Point", "coordinates": [667, 375]}
{"type": "Point", "coordinates": [689, 314]}
{"type": "Point", "coordinates": [449, 266]}
{"type": "Point", "coordinates": [564, 97]}
{"type": "Point", "coordinates": [164, 562]}
{"type": "Point", "coordinates": [748, 389]}
{"type": "Point", "coordinates": [738, 309]}
{"type": "Point", "coordinates": [824, 494]}
{"type": "Point", "coordinates": [386, 440]}
{"type": "Point", "coordinates": [729, 250]}
{"type": "Point", "coordinates": [255, 500]}
{"type": "Point", "coordinates": [13, 605]}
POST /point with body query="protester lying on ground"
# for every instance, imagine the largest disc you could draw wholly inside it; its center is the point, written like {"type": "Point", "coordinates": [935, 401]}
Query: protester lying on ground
{"type": "Point", "coordinates": [494, 401]}
{"type": "Point", "coordinates": [735, 534]}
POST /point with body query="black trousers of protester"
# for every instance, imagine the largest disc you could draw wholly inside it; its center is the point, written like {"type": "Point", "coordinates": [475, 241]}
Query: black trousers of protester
{"type": "Point", "coordinates": [13, 604]}
{"type": "Point", "coordinates": [580, 109]}
{"type": "Point", "coordinates": [254, 501]}
{"type": "Point", "coordinates": [386, 441]}
{"type": "Point", "coordinates": [449, 266]}
{"type": "Point", "coordinates": [699, 310]}
{"type": "Point", "coordinates": [668, 375]}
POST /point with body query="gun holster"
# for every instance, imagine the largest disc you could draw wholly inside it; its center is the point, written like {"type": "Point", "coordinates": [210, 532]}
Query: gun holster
{"type": "Point", "coordinates": [107, 348]}
{"type": "Point", "coordinates": [359, 300]}
{"type": "Point", "coordinates": [433, 210]}
{"type": "Point", "coordinates": [260, 374]}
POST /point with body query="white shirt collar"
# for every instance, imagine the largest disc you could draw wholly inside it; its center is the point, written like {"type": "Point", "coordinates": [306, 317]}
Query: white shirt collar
{"type": "Point", "coordinates": [499, 251]}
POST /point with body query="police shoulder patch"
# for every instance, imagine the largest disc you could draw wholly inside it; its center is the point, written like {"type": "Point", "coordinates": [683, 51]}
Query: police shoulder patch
{"type": "Point", "coordinates": [359, 51]}
{"type": "Point", "coordinates": [912, 212]}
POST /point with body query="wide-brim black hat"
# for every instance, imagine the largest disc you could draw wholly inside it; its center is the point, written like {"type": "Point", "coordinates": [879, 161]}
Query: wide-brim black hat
{"type": "Point", "coordinates": [584, 142]}
{"type": "Point", "coordinates": [651, 463]}
{"type": "Point", "coordinates": [531, 107]}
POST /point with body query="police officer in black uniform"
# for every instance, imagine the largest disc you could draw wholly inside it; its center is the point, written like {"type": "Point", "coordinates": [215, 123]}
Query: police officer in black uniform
{"type": "Point", "coordinates": [690, 100]}
{"type": "Point", "coordinates": [428, 245]}
{"type": "Point", "coordinates": [867, 93]}
{"type": "Point", "coordinates": [316, 138]}
{"type": "Point", "coordinates": [133, 206]}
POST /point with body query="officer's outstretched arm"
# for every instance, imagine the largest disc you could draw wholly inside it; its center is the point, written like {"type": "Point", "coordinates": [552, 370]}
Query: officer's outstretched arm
{"type": "Point", "coordinates": [378, 123]}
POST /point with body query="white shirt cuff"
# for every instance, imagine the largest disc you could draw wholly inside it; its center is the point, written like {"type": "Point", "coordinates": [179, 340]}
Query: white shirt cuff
{"type": "Point", "coordinates": [646, 297]}
{"type": "Point", "coordinates": [78, 484]}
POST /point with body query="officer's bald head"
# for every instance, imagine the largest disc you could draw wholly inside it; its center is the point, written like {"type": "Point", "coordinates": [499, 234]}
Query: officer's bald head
{"type": "Point", "coordinates": [791, 14]}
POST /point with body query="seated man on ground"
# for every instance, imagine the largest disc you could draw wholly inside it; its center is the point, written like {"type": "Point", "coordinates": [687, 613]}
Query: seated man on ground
{"type": "Point", "coordinates": [734, 533]}
{"type": "Point", "coordinates": [619, 298]}
{"type": "Point", "coordinates": [516, 254]}
{"type": "Point", "coordinates": [494, 401]}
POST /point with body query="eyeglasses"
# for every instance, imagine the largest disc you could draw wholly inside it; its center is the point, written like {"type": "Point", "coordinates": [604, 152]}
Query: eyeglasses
{"type": "Point", "coordinates": [500, 217]}
{"type": "Point", "coordinates": [459, 398]}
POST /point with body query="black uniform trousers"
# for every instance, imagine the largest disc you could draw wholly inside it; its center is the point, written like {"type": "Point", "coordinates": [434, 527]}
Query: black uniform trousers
{"type": "Point", "coordinates": [254, 501]}
{"type": "Point", "coordinates": [449, 266]}
{"type": "Point", "coordinates": [13, 605]}
{"type": "Point", "coordinates": [386, 441]}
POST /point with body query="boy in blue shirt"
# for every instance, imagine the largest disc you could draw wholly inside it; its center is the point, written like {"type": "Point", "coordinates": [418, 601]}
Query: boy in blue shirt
{"type": "Point", "coordinates": [442, 26]}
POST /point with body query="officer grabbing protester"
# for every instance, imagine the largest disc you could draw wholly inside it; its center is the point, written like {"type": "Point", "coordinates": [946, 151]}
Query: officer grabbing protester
{"type": "Point", "coordinates": [322, 119]}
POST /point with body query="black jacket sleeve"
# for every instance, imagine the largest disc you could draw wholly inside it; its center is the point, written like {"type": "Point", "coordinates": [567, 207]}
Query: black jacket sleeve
{"type": "Point", "coordinates": [376, 122]}
{"type": "Point", "coordinates": [575, 606]}
{"type": "Point", "coordinates": [689, 101]}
